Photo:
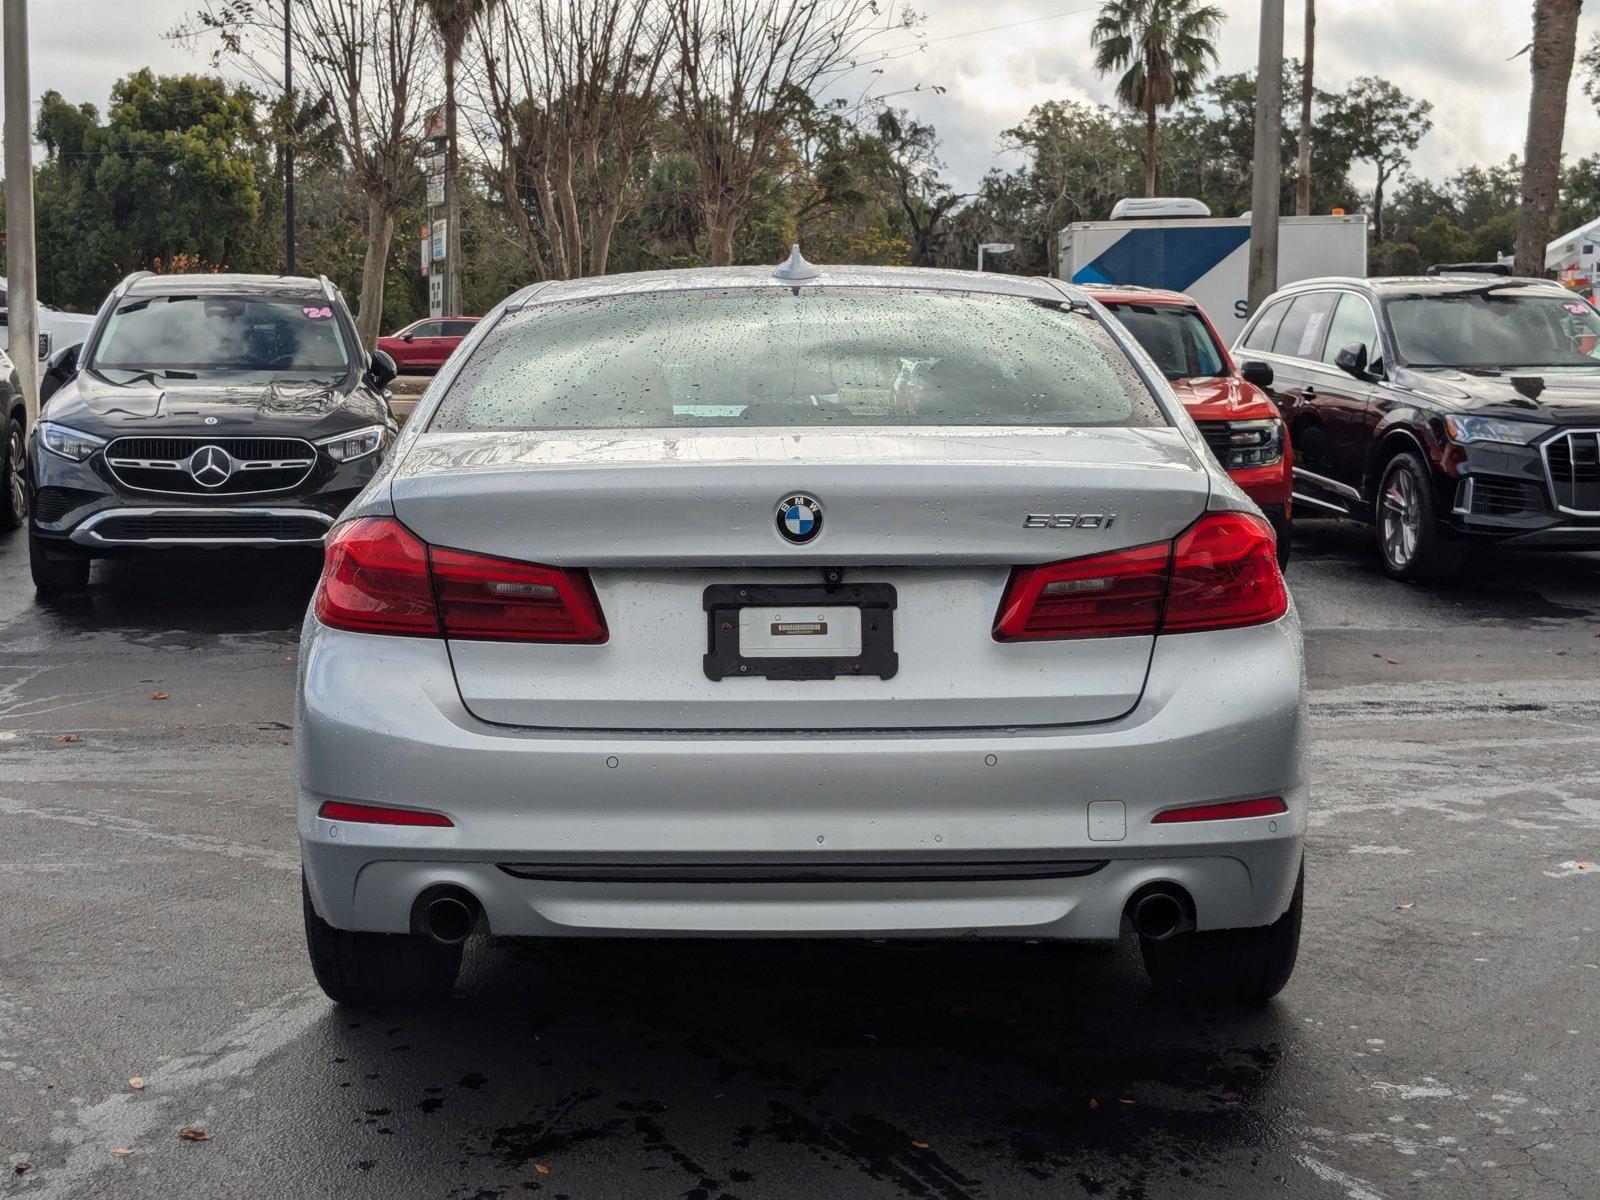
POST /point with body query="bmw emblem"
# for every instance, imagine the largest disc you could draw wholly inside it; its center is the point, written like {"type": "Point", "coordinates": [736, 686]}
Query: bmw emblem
{"type": "Point", "coordinates": [799, 518]}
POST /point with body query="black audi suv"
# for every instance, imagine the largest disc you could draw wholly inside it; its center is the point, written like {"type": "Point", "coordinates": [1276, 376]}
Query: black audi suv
{"type": "Point", "coordinates": [1447, 410]}
{"type": "Point", "coordinates": [206, 411]}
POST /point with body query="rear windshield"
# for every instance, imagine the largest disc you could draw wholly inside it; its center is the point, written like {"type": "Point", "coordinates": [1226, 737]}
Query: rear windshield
{"type": "Point", "coordinates": [758, 358]}
{"type": "Point", "coordinates": [1176, 338]}
{"type": "Point", "coordinates": [230, 334]}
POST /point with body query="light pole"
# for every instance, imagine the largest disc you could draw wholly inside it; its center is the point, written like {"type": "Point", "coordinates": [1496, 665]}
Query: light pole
{"type": "Point", "coordinates": [993, 248]}
{"type": "Point", "coordinates": [22, 298]}
{"type": "Point", "coordinates": [1264, 199]}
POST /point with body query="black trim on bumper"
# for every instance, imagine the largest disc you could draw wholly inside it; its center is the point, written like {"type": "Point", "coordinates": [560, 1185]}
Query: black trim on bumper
{"type": "Point", "coordinates": [827, 871]}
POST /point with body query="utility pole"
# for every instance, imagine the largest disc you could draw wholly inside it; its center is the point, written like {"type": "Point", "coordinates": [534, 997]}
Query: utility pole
{"type": "Point", "coordinates": [1264, 200]}
{"type": "Point", "coordinates": [1308, 74]}
{"type": "Point", "coordinates": [22, 297]}
{"type": "Point", "coordinates": [288, 137]}
{"type": "Point", "coordinates": [452, 202]}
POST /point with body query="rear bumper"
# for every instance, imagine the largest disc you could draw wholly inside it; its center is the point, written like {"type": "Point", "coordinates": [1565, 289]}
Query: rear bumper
{"type": "Point", "coordinates": [786, 834]}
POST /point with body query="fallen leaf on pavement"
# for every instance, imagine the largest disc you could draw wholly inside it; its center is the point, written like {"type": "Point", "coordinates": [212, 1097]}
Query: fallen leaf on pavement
{"type": "Point", "coordinates": [67, 737]}
{"type": "Point", "coordinates": [158, 695]}
{"type": "Point", "coordinates": [1393, 662]}
{"type": "Point", "coordinates": [1404, 904]}
{"type": "Point", "coordinates": [136, 1084]}
{"type": "Point", "coordinates": [541, 1168]}
{"type": "Point", "coordinates": [920, 1145]}
{"type": "Point", "coordinates": [190, 1134]}
{"type": "Point", "coordinates": [120, 1151]}
{"type": "Point", "coordinates": [22, 1168]}
{"type": "Point", "coordinates": [1584, 866]}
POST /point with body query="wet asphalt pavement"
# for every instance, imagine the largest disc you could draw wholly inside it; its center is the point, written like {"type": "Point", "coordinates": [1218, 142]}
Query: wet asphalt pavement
{"type": "Point", "coordinates": [1438, 1038]}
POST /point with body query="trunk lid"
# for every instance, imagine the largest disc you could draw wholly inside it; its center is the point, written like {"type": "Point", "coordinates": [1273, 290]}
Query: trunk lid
{"type": "Point", "coordinates": [939, 515]}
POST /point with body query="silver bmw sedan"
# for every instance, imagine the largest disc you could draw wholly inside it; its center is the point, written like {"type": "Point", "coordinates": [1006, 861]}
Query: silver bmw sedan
{"type": "Point", "coordinates": [816, 602]}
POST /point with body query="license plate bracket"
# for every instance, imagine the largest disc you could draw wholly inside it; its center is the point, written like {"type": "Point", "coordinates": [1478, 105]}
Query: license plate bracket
{"type": "Point", "coordinates": [876, 603]}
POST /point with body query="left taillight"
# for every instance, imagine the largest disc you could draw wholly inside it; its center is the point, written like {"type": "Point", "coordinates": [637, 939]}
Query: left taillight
{"type": "Point", "coordinates": [1221, 573]}
{"type": "Point", "coordinates": [379, 577]}
{"type": "Point", "coordinates": [375, 580]}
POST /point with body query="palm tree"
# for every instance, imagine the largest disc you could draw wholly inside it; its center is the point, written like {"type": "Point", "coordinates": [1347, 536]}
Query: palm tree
{"type": "Point", "coordinates": [1554, 46]}
{"type": "Point", "coordinates": [452, 19]}
{"type": "Point", "coordinates": [1302, 183]}
{"type": "Point", "coordinates": [1163, 48]}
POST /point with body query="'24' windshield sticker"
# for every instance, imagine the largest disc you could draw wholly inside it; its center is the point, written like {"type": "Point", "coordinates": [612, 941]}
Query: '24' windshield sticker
{"type": "Point", "coordinates": [316, 313]}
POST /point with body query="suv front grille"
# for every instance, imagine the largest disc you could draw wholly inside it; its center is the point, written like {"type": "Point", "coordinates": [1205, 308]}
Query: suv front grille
{"type": "Point", "coordinates": [1572, 467]}
{"type": "Point", "coordinates": [1218, 436]}
{"type": "Point", "coordinates": [206, 527]}
{"type": "Point", "coordinates": [248, 466]}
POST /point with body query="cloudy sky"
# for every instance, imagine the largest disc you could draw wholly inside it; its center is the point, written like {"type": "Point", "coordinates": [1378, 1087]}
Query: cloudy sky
{"type": "Point", "coordinates": [1452, 52]}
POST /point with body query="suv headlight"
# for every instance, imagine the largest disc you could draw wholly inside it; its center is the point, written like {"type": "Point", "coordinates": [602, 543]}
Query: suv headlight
{"type": "Point", "coordinates": [68, 443]}
{"type": "Point", "coordinates": [1493, 429]}
{"type": "Point", "coordinates": [347, 447]}
{"type": "Point", "coordinates": [1252, 444]}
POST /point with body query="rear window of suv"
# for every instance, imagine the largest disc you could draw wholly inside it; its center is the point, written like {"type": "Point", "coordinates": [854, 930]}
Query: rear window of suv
{"type": "Point", "coordinates": [747, 357]}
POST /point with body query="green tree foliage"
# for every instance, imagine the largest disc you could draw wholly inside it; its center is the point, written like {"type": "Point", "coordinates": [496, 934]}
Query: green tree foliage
{"type": "Point", "coordinates": [175, 173]}
{"type": "Point", "coordinates": [1163, 49]}
{"type": "Point", "coordinates": [180, 173]}
{"type": "Point", "coordinates": [1212, 145]}
{"type": "Point", "coordinates": [1389, 126]}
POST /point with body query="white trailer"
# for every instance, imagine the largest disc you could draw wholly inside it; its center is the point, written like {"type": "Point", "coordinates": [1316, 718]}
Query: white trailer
{"type": "Point", "coordinates": [1206, 257]}
{"type": "Point", "coordinates": [1575, 256]}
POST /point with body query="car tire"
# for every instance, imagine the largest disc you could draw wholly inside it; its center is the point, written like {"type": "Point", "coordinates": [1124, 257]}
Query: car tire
{"type": "Point", "coordinates": [1228, 966]}
{"type": "Point", "coordinates": [1410, 543]}
{"type": "Point", "coordinates": [14, 474]}
{"type": "Point", "coordinates": [55, 572]}
{"type": "Point", "coordinates": [378, 970]}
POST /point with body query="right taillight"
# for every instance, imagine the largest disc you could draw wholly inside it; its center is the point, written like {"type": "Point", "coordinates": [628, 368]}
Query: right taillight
{"type": "Point", "coordinates": [1104, 595]}
{"type": "Point", "coordinates": [1221, 573]}
{"type": "Point", "coordinates": [1225, 574]}
{"type": "Point", "coordinates": [379, 577]}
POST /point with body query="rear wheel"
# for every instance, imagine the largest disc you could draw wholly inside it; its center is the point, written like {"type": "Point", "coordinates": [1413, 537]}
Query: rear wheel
{"type": "Point", "coordinates": [55, 571]}
{"type": "Point", "coordinates": [377, 970]}
{"type": "Point", "coordinates": [1239, 966]}
{"type": "Point", "coordinates": [1409, 540]}
{"type": "Point", "coordinates": [14, 474]}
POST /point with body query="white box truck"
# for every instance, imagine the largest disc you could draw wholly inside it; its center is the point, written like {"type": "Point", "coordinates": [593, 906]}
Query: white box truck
{"type": "Point", "coordinates": [1176, 245]}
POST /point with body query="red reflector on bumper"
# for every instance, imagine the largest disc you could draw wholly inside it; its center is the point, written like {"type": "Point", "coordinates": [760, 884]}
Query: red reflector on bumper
{"type": "Point", "coordinates": [1267, 806]}
{"type": "Point", "coordinates": [367, 814]}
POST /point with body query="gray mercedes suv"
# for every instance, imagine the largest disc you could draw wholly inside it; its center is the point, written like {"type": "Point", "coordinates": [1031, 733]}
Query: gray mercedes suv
{"type": "Point", "coordinates": [824, 602]}
{"type": "Point", "coordinates": [204, 412]}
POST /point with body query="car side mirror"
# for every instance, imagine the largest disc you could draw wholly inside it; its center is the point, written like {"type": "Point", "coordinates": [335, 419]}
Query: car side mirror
{"type": "Point", "coordinates": [382, 369]}
{"type": "Point", "coordinates": [1352, 360]}
{"type": "Point", "coordinates": [1256, 373]}
{"type": "Point", "coordinates": [408, 338]}
{"type": "Point", "coordinates": [61, 368]}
